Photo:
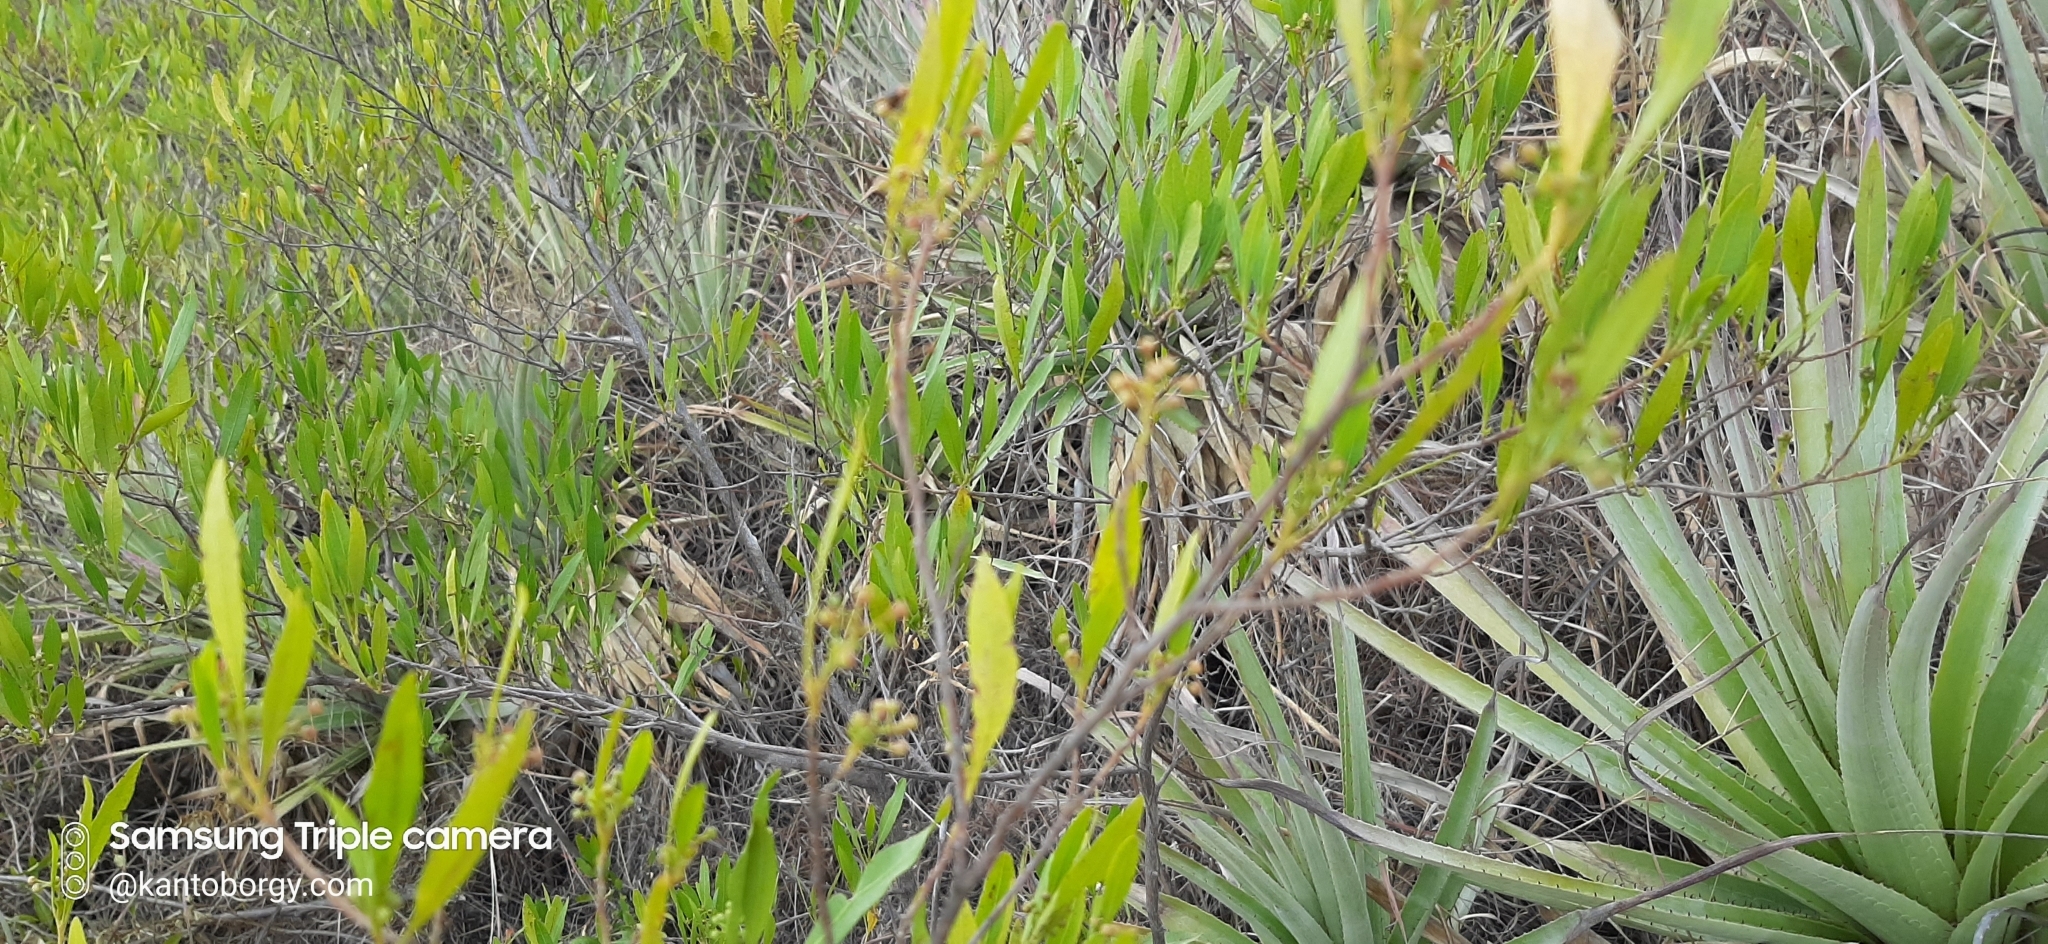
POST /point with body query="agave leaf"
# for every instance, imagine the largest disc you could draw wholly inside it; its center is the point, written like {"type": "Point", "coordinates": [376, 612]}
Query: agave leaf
{"type": "Point", "coordinates": [1786, 635]}
{"type": "Point", "coordinates": [1731, 792]}
{"type": "Point", "coordinates": [2030, 103]}
{"type": "Point", "coordinates": [1981, 510]}
{"type": "Point", "coordinates": [1361, 792]}
{"type": "Point", "coordinates": [1635, 868]}
{"type": "Point", "coordinates": [1976, 637]}
{"type": "Point", "coordinates": [1974, 925]}
{"type": "Point", "coordinates": [1826, 888]}
{"type": "Point", "coordinates": [1883, 792]}
{"type": "Point", "coordinates": [2020, 783]}
{"type": "Point", "coordinates": [2011, 697]}
{"type": "Point", "coordinates": [1667, 915]}
{"type": "Point", "coordinates": [1687, 601]}
{"type": "Point", "coordinates": [1258, 690]}
{"type": "Point", "coordinates": [1185, 922]}
{"type": "Point", "coordinates": [1245, 903]}
{"type": "Point", "coordinates": [1434, 888]}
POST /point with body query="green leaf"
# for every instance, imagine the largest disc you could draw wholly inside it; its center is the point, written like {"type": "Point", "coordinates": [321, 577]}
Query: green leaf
{"type": "Point", "coordinates": [110, 811]}
{"type": "Point", "coordinates": [1661, 406]}
{"type": "Point", "coordinates": [1339, 362]}
{"type": "Point", "coordinates": [638, 756]}
{"type": "Point", "coordinates": [113, 516]}
{"type": "Point", "coordinates": [1106, 311]}
{"type": "Point", "coordinates": [1111, 580]}
{"type": "Point", "coordinates": [397, 776]}
{"type": "Point", "coordinates": [205, 673]}
{"type": "Point", "coordinates": [1434, 888]}
{"type": "Point", "coordinates": [880, 875]}
{"type": "Point", "coordinates": [758, 871]}
{"type": "Point", "coordinates": [220, 563]}
{"type": "Point", "coordinates": [1823, 887]}
{"type": "Point", "coordinates": [945, 36]}
{"type": "Point", "coordinates": [1185, 922]}
{"type": "Point", "coordinates": [290, 660]}
{"type": "Point", "coordinates": [1691, 36]}
{"type": "Point", "coordinates": [447, 869]}
{"type": "Point", "coordinates": [2030, 102]}
{"type": "Point", "coordinates": [164, 417]}
{"type": "Point", "coordinates": [1878, 780]}
{"type": "Point", "coordinates": [991, 663]}
{"type": "Point", "coordinates": [1672, 915]}
{"type": "Point", "coordinates": [1178, 585]}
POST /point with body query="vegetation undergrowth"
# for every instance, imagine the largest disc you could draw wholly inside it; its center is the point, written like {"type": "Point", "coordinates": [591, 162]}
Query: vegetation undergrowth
{"type": "Point", "coordinates": [866, 471]}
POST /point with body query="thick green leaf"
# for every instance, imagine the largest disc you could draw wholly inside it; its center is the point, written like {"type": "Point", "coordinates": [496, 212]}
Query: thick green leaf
{"type": "Point", "coordinates": [1883, 791]}
{"type": "Point", "coordinates": [1826, 888]}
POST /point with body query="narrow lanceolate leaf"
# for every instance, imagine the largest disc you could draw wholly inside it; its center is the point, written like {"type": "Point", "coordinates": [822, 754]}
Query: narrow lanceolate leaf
{"type": "Point", "coordinates": [1337, 363]}
{"type": "Point", "coordinates": [1435, 888]}
{"type": "Point", "coordinates": [1692, 34]}
{"type": "Point", "coordinates": [397, 775]}
{"type": "Point", "coordinates": [1883, 791]}
{"type": "Point", "coordinates": [447, 869]}
{"type": "Point", "coordinates": [1586, 44]}
{"type": "Point", "coordinates": [220, 564]}
{"type": "Point", "coordinates": [880, 875]}
{"type": "Point", "coordinates": [991, 662]}
{"type": "Point", "coordinates": [945, 36]}
{"type": "Point", "coordinates": [1111, 579]}
{"type": "Point", "coordinates": [289, 662]}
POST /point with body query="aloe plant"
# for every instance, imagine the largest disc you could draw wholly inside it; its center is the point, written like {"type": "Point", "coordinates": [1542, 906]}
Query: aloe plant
{"type": "Point", "coordinates": [1861, 786]}
{"type": "Point", "coordinates": [1289, 876]}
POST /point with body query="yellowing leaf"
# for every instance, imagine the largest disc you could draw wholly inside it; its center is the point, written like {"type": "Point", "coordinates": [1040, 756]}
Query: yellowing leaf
{"type": "Point", "coordinates": [220, 565]}
{"type": "Point", "coordinates": [113, 515]}
{"type": "Point", "coordinates": [991, 661]}
{"type": "Point", "coordinates": [1585, 46]}
{"type": "Point", "coordinates": [219, 92]}
{"type": "Point", "coordinates": [1110, 581]}
{"type": "Point", "coordinates": [945, 35]}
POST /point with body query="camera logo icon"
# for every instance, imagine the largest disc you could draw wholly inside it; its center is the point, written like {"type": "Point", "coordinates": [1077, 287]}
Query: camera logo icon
{"type": "Point", "coordinates": [74, 877]}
